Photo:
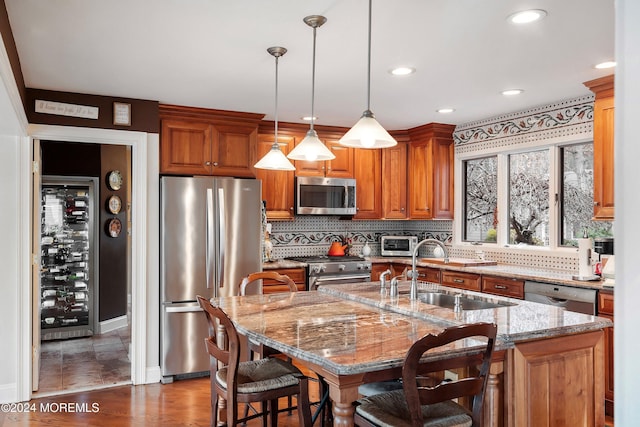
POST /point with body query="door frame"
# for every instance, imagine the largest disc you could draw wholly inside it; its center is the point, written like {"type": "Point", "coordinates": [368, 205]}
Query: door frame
{"type": "Point", "coordinates": [144, 149]}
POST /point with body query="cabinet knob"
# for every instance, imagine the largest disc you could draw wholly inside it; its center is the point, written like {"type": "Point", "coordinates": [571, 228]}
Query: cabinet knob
{"type": "Point", "coordinates": [596, 203]}
{"type": "Point", "coordinates": [215, 163]}
{"type": "Point", "coordinates": [291, 208]}
{"type": "Point", "coordinates": [401, 209]}
{"type": "Point", "coordinates": [207, 163]}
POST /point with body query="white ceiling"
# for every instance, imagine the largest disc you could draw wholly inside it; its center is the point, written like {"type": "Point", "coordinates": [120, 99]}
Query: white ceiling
{"type": "Point", "coordinates": [212, 53]}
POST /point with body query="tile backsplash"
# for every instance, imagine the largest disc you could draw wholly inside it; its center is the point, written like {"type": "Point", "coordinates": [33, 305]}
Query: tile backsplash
{"type": "Point", "coordinates": [312, 235]}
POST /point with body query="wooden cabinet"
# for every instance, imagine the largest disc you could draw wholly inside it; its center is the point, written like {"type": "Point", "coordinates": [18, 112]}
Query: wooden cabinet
{"type": "Point", "coordinates": [430, 176]}
{"type": "Point", "coordinates": [425, 274]}
{"type": "Point", "coordinates": [198, 141]}
{"type": "Point", "coordinates": [605, 309]}
{"type": "Point", "coordinates": [460, 280]}
{"type": "Point", "coordinates": [368, 174]}
{"type": "Point", "coordinates": [277, 186]}
{"type": "Point", "coordinates": [378, 268]}
{"type": "Point", "coordinates": [298, 275]}
{"type": "Point", "coordinates": [603, 143]}
{"type": "Point", "coordinates": [394, 182]}
{"type": "Point", "coordinates": [506, 287]}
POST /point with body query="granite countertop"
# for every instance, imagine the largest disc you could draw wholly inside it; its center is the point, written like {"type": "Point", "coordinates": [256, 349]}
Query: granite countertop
{"type": "Point", "coordinates": [282, 263]}
{"type": "Point", "coordinates": [504, 270]}
{"type": "Point", "coordinates": [517, 320]}
{"type": "Point", "coordinates": [354, 328]}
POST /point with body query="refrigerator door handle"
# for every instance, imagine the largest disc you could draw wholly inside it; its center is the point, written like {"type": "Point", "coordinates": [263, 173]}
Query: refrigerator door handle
{"type": "Point", "coordinates": [187, 309]}
{"type": "Point", "coordinates": [209, 248]}
{"type": "Point", "coordinates": [221, 238]}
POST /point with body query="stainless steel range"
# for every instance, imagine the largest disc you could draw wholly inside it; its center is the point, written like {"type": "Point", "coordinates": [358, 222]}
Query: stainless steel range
{"type": "Point", "coordinates": [326, 270]}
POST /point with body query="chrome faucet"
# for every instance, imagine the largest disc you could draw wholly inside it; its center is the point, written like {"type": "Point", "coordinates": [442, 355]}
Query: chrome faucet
{"type": "Point", "coordinates": [383, 277]}
{"type": "Point", "coordinates": [414, 273]}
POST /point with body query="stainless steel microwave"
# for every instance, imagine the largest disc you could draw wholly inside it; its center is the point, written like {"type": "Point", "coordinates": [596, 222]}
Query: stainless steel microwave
{"type": "Point", "coordinates": [325, 196]}
{"type": "Point", "coordinates": [398, 245]}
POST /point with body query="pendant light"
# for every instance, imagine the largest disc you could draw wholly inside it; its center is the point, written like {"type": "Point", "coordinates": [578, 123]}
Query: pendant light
{"type": "Point", "coordinates": [275, 158]}
{"type": "Point", "coordinates": [367, 132]}
{"type": "Point", "coordinates": [311, 148]}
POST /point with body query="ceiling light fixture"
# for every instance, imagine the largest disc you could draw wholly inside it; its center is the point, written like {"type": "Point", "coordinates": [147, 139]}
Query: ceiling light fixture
{"type": "Point", "coordinates": [402, 71]}
{"type": "Point", "coordinates": [606, 64]}
{"type": "Point", "coordinates": [275, 158]}
{"type": "Point", "coordinates": [367, 132]}
{"type": "Point", "coordinates": [527, 16]}
{"type": "Point", "coordinates": [445, 110]}
{"type": "Point", "coordinates": [512, 92]}
{"type": "Point", "coordinates": [311, 148]}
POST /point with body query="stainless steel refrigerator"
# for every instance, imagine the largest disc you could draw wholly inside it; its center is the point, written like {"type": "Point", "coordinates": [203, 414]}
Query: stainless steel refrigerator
{"type": "Point", "coordinates": [210, 239]}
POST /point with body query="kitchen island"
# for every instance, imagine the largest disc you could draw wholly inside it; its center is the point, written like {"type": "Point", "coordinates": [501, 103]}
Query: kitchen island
{"type": "Point", "coordinates": [547, 370]}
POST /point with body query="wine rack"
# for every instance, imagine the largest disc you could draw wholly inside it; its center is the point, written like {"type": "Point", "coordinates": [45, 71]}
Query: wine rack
{"type": "Point", "coordinates": [66, 277]}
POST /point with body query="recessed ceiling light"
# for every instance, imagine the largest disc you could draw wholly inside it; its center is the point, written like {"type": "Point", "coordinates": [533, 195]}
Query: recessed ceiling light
{"type": "Point", "coordinates": [308, 118]}
{"type": "Point", "coordinates": [445, 110]}
{"type": "Point", "coordinates": [402, 71]}
{"type": "Point", "coordinates": [606, 64]}
{"type": "Point", "coordinates": [511, 92]}
{"type": "Point", "coordinates": [527, 16]}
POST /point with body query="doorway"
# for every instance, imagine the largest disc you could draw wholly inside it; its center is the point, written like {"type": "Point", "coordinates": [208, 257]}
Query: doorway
{"type": "Point", "coordinates": [85, 287]}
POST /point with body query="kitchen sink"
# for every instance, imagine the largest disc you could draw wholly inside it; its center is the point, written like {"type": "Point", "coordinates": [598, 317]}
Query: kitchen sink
{"type": "Point", "coordinates": [446, 300]}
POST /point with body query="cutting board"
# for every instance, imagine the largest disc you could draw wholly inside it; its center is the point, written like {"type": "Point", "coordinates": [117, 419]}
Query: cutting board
{"type": "Point", "coordinates": [459, 262]}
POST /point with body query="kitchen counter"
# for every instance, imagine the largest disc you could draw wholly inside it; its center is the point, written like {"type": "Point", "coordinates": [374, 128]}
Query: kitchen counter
{"type": "Point", "coordinates": [504, 270]}
{"type": "Point", "coordinates": [519, 321]}
{"type": "Point", "coordinates": [282, 263]}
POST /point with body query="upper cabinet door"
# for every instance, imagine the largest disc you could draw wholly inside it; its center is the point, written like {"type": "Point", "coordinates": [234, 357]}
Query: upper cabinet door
{"type": "Point", "coordinates": [603, 167]}
{"type": "Point", "coordinates": [234, 150]}
{"type": "Point", "coordinates": [420, 186]}
{"type": "Point", "coordinates": [277, 186]}
{"type": "Point", "coordinates": [342, 165]}
{"type": "Point", "coordinates": [368, 165]}
{"type": "Point", "coordinates": [394, 182]}
{"type": "Point", "coordinates": [443, 178]}
{"type": "Point", "coordinates": [185, 147]}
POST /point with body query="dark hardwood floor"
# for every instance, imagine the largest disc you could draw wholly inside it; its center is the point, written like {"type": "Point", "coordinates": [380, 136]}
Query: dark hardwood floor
{"type": "Point", "coordinates": [183, 403]}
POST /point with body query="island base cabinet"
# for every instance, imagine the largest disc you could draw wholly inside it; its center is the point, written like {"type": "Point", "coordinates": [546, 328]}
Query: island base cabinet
{"type": "Point", "coordinates": [557, 382]}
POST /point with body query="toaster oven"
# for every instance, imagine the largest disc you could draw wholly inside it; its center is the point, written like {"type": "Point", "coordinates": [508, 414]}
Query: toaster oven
{"type": "Point", "coordinates": [398, 245]}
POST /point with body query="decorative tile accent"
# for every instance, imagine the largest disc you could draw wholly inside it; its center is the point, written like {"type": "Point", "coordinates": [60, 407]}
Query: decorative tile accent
{"type": "Point", "coordinates": [312, 235]}
{"type": "Point", "coordinates": [561, 119]}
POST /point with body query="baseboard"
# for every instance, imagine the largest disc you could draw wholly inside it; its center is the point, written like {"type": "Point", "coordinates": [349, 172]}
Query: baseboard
{"type": "Point", "coordinates": [9, 392]}
{"type": "Point", "coordinates": [112, 324]}
{"type": "Point", "coordinates": [153, 374]}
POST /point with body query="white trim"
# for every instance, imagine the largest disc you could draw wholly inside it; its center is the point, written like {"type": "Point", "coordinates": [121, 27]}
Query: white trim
{"type": "Point", "coordinates": [154, 374]}
{"type": "Point", "coordinates": [11, 87]}
{"type": "Point", "coordinates": [8, 392]}
{"type": "Point", "coordinates": [25, 287]}
{"type": "Point", "coordinates": [138, 143]}
{"type": "Point", "coordinates": [112, 324]}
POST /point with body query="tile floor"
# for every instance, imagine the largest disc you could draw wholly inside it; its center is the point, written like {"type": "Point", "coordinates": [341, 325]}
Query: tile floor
{"type": "Point", "coordinates": [83, 363]}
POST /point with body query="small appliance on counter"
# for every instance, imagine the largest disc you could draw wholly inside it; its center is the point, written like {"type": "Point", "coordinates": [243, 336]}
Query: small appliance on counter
{"type": "Point", "coordinates": [398, 245]}
{"type": "Point", "coordinates": [609, 271]}
{"type": "Point", "coordinates": [585, 261]}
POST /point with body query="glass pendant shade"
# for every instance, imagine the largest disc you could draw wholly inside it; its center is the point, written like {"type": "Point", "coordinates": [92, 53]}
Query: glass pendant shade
{"type": "Point", "coordinates": [311, 149]}
{"type": "Point", "coordinates": [367, 133]}
{"type": "Point", "coordinates": [275, 160]}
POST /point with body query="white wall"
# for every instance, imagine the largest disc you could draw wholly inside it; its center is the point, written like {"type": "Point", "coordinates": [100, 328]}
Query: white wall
{"type": "Point", "coordinates": [627, 200]}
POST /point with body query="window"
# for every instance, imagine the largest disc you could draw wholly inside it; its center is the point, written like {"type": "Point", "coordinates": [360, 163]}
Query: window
{"type": "Point", "coordinates": [547, 194]}
{"type": "Point", "coordinates": [577, 196]}
{"type": "Point", "coordinates": [481, 199]}
{"type": "Point", "coordinates": [529, 198]}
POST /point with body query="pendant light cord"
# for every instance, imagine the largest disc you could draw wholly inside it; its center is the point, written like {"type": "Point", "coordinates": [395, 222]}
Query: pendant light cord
{"type": "Point", "coordinates": [313, 78]}
{"type": "Point", "coordinates": [275, 142]}
{"type": "Point", "coordinates": [369, 62]}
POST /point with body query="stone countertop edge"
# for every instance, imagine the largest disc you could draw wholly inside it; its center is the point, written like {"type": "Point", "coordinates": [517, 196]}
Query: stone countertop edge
{"type": "Point", "coordinates": [522, 321]}
{"type": "Point", "coordinates": [505, 270]}
{"type": "Point", "coordinates": [283, 263]}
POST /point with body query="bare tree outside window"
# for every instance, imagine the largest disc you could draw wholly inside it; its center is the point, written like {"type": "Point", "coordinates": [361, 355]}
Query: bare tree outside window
{"type": "Point", "coordinates": [529, 198]}
{"type": "Point", "coordinates": [577, 196]}
{"type": "Point", "coordinates": [481, 199]}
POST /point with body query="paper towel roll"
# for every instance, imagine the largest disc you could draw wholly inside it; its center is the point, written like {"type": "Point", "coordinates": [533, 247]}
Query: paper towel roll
{"type": "Point", "coordinates": [584, 257]}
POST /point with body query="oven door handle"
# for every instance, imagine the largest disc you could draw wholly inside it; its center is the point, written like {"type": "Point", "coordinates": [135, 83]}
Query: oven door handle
{"type": "Point", "coordinates": [336, 278]}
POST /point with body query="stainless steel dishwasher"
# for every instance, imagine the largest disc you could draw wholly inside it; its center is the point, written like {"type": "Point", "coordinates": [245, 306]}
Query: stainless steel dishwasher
{"type": "Point", "coordinates": [581, 300]}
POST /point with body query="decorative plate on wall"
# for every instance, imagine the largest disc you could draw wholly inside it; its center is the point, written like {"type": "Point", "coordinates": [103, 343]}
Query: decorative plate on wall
{"type": "Point", "coordinates": [114, 204]}
{"type": "Point", "coordinates": [114, 227]}
{"type": "Point", "coordinates": [114, 180]}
